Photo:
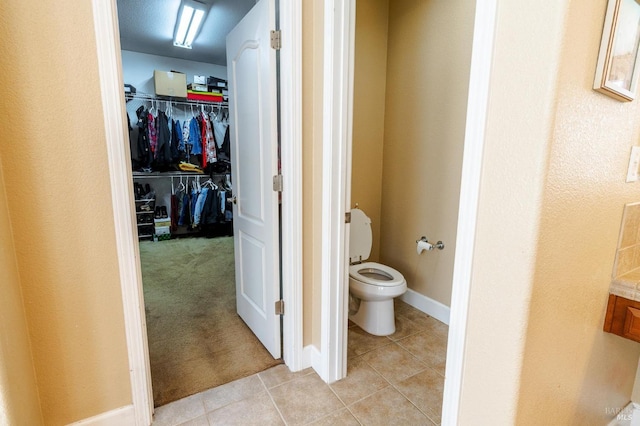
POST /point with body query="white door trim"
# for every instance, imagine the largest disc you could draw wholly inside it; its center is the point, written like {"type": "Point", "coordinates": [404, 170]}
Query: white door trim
{"type": "Point", "coordinates": [112, 93]}
{"type": "Point", "coordinates": [111, 86]}
{"type": "Point", "coordinates": [291, 160]}
{"type": "Point", "coordinates": [478, 97]}
{"type": "Point", "coordinates": [339, 31]}
{"type": "Point", "coordinates": [338, 83]}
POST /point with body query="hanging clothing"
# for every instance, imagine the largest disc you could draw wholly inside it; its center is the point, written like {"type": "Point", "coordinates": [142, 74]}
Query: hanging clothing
{"type": "Point", "coordinates": [197, 211]}
{"type": "Point", "coordinates": [195, 139]}
{"type": "Point", "coordinates": [183, 207]}
{"type": "Point", "coordinates": [174, 212]}
{"type": "Point", "coordinates": [185, 135]}
{"type": "Point", "coordinates": [176, 137]}
{"type": "Point", "coordinates": [209, 154]}
{"type": "Point", "coordinates": [179, 132]}
{"type": "Point", "coordinates": [226, 145]}
{"type": "Point", "coordinates": [210, 210]}
{"type": "Point", "coordinates": [193, 199]}
{"type": "Point", "coordinates": [223, 201]}
{"type": "Point", "coordinates": [219, 129]}
{"type": "Point", "coordinates": [143, 155]}
{"type": "Point", "coordinates": [203, 138]}
{"type": "Point", "coordinates": [151, 131]}
{"type": "Point", "coordinates": [163, 140]}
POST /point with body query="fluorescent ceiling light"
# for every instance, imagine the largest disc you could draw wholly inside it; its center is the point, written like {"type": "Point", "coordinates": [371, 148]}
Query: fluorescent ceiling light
{"type": "Point", "coordinates": [189, 20]}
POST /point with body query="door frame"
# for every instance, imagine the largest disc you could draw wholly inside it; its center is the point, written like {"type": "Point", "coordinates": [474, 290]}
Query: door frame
{"type": "Point", "coordinates": [111, 87]}
{"type": "Point", "coordinates": [339, 29]}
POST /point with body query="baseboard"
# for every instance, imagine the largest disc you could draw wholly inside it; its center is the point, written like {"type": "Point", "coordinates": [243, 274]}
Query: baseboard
{"type": "Point", "coordinates": [311, 357]}
{"type": "Point", "coordinates": [119, 417]}
{"type": "Point", "coordinates": [309, 352]}
{"type": "Point", "coordinates": [427, 305]}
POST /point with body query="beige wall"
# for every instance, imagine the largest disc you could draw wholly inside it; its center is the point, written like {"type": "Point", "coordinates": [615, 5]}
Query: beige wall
{"type": "Point", "coordinates": [370, 75]}
{"type": "Point", "coordinates": [429, 52]}
{"type": "Point", "coordinates": [19, 404]}
{"type": "Point", "coordinates": [551, 200]}
{"type": "Point", "coordinates": [53, 153]}
{"type": "Point", "coordinates": [312, 53]}
{"type": "Point", "coordinates": [588, 371]}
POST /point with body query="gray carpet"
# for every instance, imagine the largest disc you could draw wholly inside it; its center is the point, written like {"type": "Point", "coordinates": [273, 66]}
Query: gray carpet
{"type": "Point", "coordinates": [196, 339]}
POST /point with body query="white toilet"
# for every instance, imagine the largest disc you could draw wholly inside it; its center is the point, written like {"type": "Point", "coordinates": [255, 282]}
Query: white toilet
{"type": "Point", "coordinates": [373, 284]}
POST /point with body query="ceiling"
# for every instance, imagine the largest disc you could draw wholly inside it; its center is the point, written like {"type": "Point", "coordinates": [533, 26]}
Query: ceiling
{"type": "Point", "coordinates": [147, 26]}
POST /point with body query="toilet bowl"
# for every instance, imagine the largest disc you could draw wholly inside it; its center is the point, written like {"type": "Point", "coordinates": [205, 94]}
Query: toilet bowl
{"type": "Point", "coordinates": [372, 284]}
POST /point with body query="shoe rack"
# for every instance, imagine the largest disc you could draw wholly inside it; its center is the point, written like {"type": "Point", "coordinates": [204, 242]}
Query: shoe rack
{"type": "Point", "coordinates": [145, 211]}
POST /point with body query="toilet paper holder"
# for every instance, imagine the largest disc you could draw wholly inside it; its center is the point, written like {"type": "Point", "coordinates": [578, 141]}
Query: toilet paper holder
{"type": "Point", "coordinates": [424, 244]}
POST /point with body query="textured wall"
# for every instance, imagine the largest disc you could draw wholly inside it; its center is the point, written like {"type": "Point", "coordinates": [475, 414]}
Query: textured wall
{"type": "Point", "coordinates": [429, 52]}
{"type": "Point", "coordinates": [520, 116]}
{"type": "Point", "coordinates": [53, 153]}
{"type": "Point", "coordinates": [551, 197]}
{"type": "Point", "coordinates": [19, 404]}
{"type": "Point", "coordinates": [370, 75]}
{"type": "Point", "coordinates": [578, 373]}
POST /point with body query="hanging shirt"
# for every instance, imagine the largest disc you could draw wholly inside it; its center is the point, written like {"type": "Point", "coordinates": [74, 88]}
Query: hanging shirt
{"type": "Point", "coordinates": [219, 130]}
{"type": "Point", "coordinates": [203, 138]}
{"type": "Point", "coordinates": [185, 135]}
{"type": "Point", "coordinates": [195, 140]}
{"type": "Point", "coordinates": [179, 131]}
{"type": "Point", "coordinates": [163, 140]}
{"type": "Point", "coordinates": [223, 201]}
{"type": "Point", "coordinates": [176, 137]}
{"type": "Point", "coordinates": [209, 155]}
{"type": "Point", "coordinates": [151, 132]}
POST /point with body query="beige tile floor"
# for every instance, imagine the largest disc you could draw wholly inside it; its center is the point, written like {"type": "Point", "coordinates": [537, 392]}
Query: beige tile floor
{"type": "Point", "coordinates": [397, 379]}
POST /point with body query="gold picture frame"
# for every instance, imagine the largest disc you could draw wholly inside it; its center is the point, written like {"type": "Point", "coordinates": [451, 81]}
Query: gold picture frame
{"type": "Point", "coordinates": [617, 69]}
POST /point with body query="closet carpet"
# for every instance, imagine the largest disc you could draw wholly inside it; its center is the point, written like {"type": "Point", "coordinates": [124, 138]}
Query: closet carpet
{"type": "Point", "coordinates": [196, 339]}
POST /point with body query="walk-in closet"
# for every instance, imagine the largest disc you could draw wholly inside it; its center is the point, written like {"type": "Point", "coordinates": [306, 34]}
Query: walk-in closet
{"type": "Point", "coordinates": [183, 184]}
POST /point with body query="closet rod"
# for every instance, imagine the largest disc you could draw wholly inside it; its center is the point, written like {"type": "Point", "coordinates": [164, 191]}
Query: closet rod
{"type": "Point", "coordinates": [151, 175]}
{"type": "Point", "coordinates": [150, 98]}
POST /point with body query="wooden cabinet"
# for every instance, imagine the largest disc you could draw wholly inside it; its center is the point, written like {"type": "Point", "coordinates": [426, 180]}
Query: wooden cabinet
{"type": "Point", "coordinates": [623, 317]}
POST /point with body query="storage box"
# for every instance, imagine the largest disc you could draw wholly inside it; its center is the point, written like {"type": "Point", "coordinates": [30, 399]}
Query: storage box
{"type": "Point", "coordinates": [204, 96]}
{"type": "Point", "coordinates": [170, 83]}
{"type": "Point", "coordinates": [216, 82]}
{"type": "Point", "coordinates": [200, 79]}
{"type": "Point", "coordinates": [197, 87]}
{"type": "Point", "coordinates": [162, 230]}
{"type": "Point", "coordinates": [162, 222]}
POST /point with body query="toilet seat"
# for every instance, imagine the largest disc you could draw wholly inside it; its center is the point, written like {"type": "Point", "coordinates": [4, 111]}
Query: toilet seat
{"type": "Point", "coordinates": [363, 272]}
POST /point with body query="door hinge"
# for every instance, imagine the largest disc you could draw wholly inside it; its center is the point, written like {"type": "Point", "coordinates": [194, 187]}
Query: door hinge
{"type": "Point", "coordinates": [277, 183]}
{"type": "Point", "coordinates": [276, 42]}
{"type": "Point", "coordinates": [347, 217]}
{"type": "Point", "coordinates": [279, 307]}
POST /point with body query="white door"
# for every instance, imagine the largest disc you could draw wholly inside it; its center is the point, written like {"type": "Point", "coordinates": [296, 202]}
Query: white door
{"type": "Point", "coordinates": [251, 69]}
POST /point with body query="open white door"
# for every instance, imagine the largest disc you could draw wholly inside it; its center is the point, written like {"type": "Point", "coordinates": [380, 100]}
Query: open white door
{"type": "Point", "coordinates": [251, 69]}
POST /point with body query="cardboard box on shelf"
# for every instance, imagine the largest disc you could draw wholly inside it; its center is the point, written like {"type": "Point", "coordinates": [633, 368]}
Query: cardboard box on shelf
{"type": "Point", "coordinates": [200, 79]}
{"type": "Point", "coordinates": [169, 83]}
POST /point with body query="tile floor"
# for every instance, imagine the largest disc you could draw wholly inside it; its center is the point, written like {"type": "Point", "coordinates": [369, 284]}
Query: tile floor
{"type": "Point", "coordinates": [397, 379]}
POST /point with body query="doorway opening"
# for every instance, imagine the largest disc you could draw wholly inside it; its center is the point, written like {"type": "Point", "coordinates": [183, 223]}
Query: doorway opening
{"type": "Point", "coordinates": [339, 30]}
{"type": "Point", "coordinates": [406, 161]}
{"type": "Point", "coordinates": [173, 277]}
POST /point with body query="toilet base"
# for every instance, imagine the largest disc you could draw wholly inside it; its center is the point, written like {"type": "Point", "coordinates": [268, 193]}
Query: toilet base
{"type": "Point", "coordinates": [375, 317]}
